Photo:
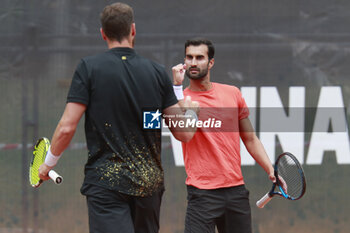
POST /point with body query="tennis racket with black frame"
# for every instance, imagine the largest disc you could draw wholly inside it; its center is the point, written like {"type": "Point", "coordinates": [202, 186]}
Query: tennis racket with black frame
{"type": "Point", "coordinates": [39, 155]}
{"type": "Point", "coordinates": [290, 180]}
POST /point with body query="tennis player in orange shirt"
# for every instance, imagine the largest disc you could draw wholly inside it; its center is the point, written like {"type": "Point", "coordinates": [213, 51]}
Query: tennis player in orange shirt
{"type": "Point", "coordinates": [217, 196]}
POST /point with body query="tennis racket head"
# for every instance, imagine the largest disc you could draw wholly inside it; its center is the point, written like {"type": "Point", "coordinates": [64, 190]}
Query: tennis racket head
{"type": "Point", "coordinates": [39, 154]}
{"type": "Point", "coordinates": [290, 176]}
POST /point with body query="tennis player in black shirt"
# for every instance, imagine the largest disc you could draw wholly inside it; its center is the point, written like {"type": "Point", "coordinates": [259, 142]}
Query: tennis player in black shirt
{"type": "Point", "coordinates": [123, 180]}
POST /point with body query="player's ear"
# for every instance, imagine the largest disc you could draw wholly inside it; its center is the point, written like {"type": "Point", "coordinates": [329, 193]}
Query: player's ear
{"type": "Point", "coordinates": [133, 29]}
{"type": "Point", "coordinates": [103, 35]}
{"type": "Point", "coordinates": [211, 63]}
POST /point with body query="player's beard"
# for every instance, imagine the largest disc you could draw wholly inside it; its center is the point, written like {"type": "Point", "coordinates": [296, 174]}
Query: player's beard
{"type": "Point", "coordinates": [201, 73]}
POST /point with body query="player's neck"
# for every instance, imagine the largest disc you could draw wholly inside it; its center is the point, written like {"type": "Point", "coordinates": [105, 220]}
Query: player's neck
{"type": "Point", "coordinates": [116, 44]}
{"type": "Point", "coordinates": [200, 84]}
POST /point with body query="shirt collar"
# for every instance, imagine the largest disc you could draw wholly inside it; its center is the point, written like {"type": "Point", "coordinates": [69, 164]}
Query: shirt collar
{"type": "Point", "coordinates": [123, 50]}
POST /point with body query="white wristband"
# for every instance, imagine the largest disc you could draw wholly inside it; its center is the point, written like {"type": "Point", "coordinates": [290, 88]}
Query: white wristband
{"type": "Point", "coordinates": [193, 114]}
{"type": "Point", "coordinates": [51, 160]}
{"type": "Point", "coordinates": [178, 92]}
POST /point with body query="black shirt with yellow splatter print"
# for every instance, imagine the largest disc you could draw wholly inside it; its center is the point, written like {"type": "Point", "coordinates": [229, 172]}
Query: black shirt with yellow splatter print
{"type": "Point", "coordinates": [117, 86]}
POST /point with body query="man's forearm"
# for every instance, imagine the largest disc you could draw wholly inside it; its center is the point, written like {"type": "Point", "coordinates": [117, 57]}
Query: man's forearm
{"type": "Point", "coordinates": [257, 151]}
{"type": "Point", "coordinates": [177, 114]}
{"type": "Point", "coordinates": [66, 127]}
{"type": "Point", "coordinates": [62, 138]}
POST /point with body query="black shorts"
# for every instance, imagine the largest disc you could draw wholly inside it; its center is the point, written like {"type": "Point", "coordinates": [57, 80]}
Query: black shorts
{"type": "Point", "coordinates": [113, 212]}
{"type": "Point", "coordinates": [226, 208]}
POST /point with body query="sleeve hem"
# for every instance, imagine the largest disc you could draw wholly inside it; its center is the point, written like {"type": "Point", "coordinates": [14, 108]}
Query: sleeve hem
{"type": "Point", "coordinates": [77, 100]}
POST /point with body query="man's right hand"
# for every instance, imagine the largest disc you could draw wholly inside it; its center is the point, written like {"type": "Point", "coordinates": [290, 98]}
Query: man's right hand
{"type": "Point", "coordinates": [193, 105]}
{"type": "Point", "coordinates": [179, 74]}
{"type": "Point", "coordinates": [44, 172]}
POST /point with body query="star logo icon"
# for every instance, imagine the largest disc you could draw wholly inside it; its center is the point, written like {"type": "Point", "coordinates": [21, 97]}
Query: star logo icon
{"type": "Point", "coordinates": [151, 119]}
{"type": "Point", "coordinates": [155, 115]}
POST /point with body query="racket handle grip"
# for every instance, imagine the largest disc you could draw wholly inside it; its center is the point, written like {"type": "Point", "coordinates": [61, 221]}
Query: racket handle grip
{"type": "Point", "coordinates": [264, 200]}
{"type": "Point", "coordinates": [55, 177]}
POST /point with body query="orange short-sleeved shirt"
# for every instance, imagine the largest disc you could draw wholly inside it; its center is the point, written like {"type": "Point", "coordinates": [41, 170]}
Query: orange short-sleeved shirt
{"type": "Point", "coordinates": [212, 158]}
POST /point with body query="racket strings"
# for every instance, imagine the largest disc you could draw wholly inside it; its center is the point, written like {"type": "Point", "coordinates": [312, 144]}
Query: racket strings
{"type": "Point", "coordinates": [38, 159]}
{"type": "Point", "coordinates": [291, 173]}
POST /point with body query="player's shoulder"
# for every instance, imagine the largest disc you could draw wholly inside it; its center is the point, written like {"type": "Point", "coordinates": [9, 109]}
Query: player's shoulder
{"type": "Point", "coordinates": [91, 61]}
{"type": "Point", "coordinates": [95, 58]}
{"type": "Point", "coordinates": [149, 63]}
{"type": "Point", "coordinates": [156, 68]}
{"type": "Point", "coordinates": [156, 65]}
{"type": "Point", "coordinates": [226, 87]}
